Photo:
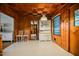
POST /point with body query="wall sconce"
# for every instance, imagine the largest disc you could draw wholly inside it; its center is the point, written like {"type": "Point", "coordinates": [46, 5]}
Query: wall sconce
{"type": "Point", "coordinates": [32, 22]}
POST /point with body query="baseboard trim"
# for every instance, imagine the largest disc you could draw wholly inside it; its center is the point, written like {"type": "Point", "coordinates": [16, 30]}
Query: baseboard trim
{"type": "Point", "coordinates": [8, 41]}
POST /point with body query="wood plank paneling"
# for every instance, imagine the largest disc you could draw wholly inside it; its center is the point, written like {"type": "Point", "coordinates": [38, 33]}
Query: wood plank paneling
{"type": "Point", "coordinates": [0, 45]}
{"type": "Point", "coordinates": [65, 29]}
{"type": "Point", "coordinates": [69, 33]}
{"type": "Point", "coordinates": [69, 38]}
{"type": "Point", "coordinates": [63, 38]}
{"type": "Point", "coordinates": [25, 25]}
{"type": "Point", "coordinates": [74, 32]}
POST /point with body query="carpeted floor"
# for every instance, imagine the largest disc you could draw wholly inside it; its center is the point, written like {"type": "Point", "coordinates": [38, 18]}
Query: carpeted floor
{"type": "Point", "coordinates": [35, 48]}
{"type": "Point", "coordinates": [6, 44]}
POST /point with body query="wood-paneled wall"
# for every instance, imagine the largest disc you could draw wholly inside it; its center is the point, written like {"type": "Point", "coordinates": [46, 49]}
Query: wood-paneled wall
{"type": "Point", "coordinates": [25, 25]}
{"type": "Point", "coordinates": [69, 38]}
{"type": "Point", "coordinates": [74, 32]}
{"type": "Point", "coordinates": [63, 38]}
{"type": "Point", "coordinates": [16, 27]}
{"type": "Point", "coordinates": [65, 29]}
{"type": "Point", "coordinates": [0, 45]}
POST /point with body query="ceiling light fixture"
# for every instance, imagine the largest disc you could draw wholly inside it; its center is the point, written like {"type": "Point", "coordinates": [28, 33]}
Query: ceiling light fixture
{"type": "Point", "coordinates": [43, 17]}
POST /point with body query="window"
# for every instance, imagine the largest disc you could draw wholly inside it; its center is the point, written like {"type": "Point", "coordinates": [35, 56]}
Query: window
{"type": "Point", "coordinates": [57, 25]}
{"type": "Point", "coordinates": [77, 17]}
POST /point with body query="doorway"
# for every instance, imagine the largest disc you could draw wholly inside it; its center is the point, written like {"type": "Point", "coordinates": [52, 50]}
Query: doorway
{"type": "Point", "coordinates": [34, 30]}
{"type": "Point", "coordinates": [6, 29]}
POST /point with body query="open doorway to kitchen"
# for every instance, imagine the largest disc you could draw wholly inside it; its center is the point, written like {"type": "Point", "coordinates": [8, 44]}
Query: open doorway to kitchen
{"type": "Point", "coordinates": [44, 29]}
{"type": "Point", "coordinates": [6, 29]}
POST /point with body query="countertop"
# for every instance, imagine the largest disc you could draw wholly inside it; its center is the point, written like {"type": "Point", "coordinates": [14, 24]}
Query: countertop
{"type": "Point", "coordinates": [5, 32]}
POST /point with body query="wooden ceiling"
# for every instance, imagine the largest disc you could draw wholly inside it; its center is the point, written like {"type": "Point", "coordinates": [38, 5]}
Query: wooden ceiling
{"type": "Point", "coordinates": [34, 10]}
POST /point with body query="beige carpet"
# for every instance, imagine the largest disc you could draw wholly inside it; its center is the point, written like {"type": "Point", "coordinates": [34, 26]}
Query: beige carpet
{"type": "Point", "coordinates": [35, 48]}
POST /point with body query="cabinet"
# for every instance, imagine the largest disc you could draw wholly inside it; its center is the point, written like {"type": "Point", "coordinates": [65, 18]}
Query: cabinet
{"type": "Point", "coordinates": [44, 30]}
{"type": "Point", "coordinates": [7, 36]}
{"type": "Point", "coordinates": [45, 37]}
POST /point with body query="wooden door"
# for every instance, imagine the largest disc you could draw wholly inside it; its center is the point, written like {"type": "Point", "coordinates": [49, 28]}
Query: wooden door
{"type": "Point", "coordinates": [65, 29]}
{"type": "Point", "coordinates": [74, 30]}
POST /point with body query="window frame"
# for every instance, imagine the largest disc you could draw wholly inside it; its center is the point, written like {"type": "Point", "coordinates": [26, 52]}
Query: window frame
{"type": "Point", "coordinates": [75, 18]}
{"type": "Point", "coordinates": [59, 25]}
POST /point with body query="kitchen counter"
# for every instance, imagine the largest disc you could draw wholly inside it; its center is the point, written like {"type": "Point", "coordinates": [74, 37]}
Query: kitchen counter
{"type": "Point", "coordinates": [44, 36]}
{"type": "Point", "coordinates": [6, 36]}
{"type": "Point", "coordinates": [6, 32]}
